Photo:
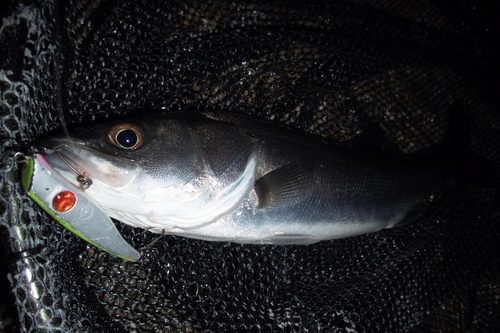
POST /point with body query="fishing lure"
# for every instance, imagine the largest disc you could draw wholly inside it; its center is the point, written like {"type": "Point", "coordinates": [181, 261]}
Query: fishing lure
{"type": "Point", "coordinates": [70, 206]}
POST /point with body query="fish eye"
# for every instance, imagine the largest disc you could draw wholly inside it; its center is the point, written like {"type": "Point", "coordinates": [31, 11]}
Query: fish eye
{"type": "Point", "coordinates": [126, 136]}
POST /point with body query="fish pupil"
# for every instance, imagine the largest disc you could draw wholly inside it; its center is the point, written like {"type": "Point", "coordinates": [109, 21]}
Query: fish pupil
{"type": "Point", "coordinates": [127, 138]}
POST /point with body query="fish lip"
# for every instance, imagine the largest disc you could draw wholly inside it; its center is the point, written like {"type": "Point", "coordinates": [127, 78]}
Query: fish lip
{"type": "Point", "coordinates": [58, 145]}
{"type": "Point", "coordinates": [52, 145]}
{"type": "Point", "coordinates": [74, 157]}
{"type": "Point", "coordinates": [56, 152]}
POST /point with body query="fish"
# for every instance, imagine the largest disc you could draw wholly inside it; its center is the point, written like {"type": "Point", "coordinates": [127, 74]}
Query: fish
{"type": "Point", "coordinates": [221, 176]}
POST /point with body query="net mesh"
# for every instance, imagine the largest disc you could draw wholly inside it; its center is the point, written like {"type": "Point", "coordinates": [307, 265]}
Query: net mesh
{"type": "Point", "coordinates": [331, 69]}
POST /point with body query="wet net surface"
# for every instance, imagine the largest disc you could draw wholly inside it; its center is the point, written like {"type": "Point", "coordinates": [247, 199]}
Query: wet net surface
{"type": "Point", "coordinates": [328, 69]}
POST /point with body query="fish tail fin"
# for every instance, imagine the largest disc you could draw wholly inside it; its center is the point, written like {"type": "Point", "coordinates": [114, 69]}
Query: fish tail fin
{"type": "Point", "coordinates": [471, 168]}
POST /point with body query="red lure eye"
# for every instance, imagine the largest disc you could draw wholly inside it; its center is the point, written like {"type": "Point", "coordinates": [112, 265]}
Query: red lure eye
{"type": "Point", "coordinates": [63, 201]}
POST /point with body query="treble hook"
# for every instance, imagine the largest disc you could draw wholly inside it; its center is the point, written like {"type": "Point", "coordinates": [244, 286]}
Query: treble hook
{"type": "Point", "coordinates": [84, 180]}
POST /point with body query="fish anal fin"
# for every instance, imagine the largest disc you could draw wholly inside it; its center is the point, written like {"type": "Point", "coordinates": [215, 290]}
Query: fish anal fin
{"type": "Point", "coordinates": [416, 213]}
{"type": "Point", "coordinates": [291, 240]}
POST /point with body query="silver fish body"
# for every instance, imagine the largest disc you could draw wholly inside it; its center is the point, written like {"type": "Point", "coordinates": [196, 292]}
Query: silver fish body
{"type": "Point", "coordinates": [226, 177]}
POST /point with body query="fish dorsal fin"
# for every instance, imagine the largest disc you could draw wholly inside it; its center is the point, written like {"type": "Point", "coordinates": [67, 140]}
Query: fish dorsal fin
{"type": "Point", "coordinates": [285, 185]}
{"type": "Point", "coordinates": [375, 139]}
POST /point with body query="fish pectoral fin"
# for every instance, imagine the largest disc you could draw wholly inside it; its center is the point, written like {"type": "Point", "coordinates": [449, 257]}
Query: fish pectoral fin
{"type": "Point", "coordinates": [285, 185]}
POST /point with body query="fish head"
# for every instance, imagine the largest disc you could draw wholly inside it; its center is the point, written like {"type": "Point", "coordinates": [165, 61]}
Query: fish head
{"type": "Point", "coordinates": [116, 153]}
{"type": "Point", "coordinates": [148, 172]}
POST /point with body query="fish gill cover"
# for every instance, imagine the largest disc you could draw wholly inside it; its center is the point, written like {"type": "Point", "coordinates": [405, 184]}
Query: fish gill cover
{"type": "Point", "coordinates": [328, 68]}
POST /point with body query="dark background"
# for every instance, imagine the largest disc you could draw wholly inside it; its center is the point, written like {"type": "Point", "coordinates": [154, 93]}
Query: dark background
{"type": "Point", "coordinates": [330, 69]}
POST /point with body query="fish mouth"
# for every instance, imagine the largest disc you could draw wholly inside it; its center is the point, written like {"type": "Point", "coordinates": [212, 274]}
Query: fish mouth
{"type": "Point", "coordinates": [83, 166]}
